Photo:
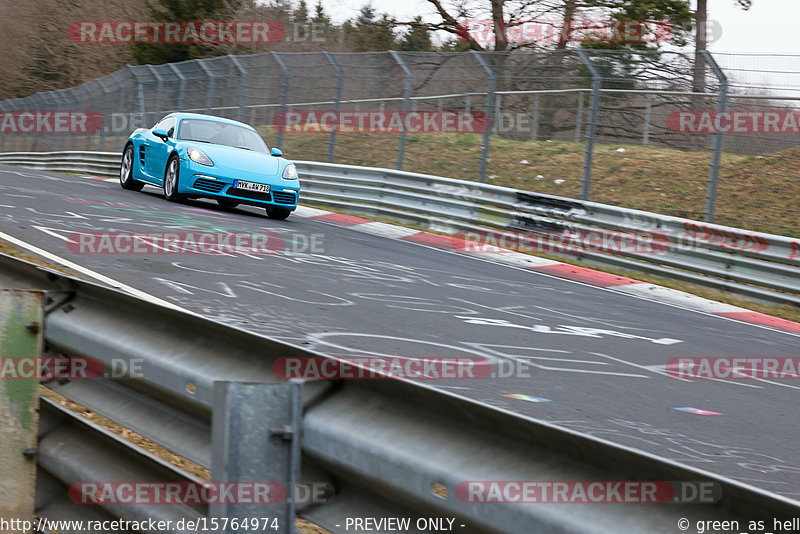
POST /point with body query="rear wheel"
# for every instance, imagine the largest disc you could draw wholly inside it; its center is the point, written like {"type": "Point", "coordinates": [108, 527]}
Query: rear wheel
{"type": "Point", "coordinates": [225, 203]}
{"type": "Point", "coordinates": [171, 179]}
{"type": "Point", "coordinates": [278, 213]}
{"type": "Point", "coordinates": [126, 171]}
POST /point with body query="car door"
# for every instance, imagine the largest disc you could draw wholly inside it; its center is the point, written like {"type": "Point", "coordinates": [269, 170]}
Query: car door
{"type": "Point", "coordinates": [158, 150]}
{"type": "Point", "coordinates": [144, 148]}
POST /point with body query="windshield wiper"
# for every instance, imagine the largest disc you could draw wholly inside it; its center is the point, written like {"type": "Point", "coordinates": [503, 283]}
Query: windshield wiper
{"type": "Point", "coordinates": [243, 147]}
{"type": "Point", "coordinates": [197, 141]}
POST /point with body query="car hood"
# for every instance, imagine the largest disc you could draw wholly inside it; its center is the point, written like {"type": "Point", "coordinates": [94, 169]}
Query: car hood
{"type": "Point", "coordinates": [238, 159]}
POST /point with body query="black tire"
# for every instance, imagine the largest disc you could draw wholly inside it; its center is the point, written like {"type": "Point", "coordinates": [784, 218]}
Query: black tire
{"type": "Point", "coordinates": [126, 171]}
{"type": "Point", "coordinates": [278, 214]}
{"type": "Point", "coordinates": [225, 203]}
{"type": "Point", "coordinates": [171, 175]}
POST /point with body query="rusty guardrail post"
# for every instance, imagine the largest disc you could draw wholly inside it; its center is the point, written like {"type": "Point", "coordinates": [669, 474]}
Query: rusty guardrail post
{"type": "Point", "coordinates": [21, 317]}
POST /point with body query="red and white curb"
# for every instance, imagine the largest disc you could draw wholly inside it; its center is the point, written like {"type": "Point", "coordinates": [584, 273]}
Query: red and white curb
{"type": "Point", "coordinates": [555, 268]}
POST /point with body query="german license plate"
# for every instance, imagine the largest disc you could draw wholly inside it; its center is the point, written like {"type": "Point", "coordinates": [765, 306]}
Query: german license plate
{"type": "Point", "coordinates": [251, 186]}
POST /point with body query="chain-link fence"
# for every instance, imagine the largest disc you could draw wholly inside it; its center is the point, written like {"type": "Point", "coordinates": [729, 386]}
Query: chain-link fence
{"type": "Point", "coordinates": [616, 127]}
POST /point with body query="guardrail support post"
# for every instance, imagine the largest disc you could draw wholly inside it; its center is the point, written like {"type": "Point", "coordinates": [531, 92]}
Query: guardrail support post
{"type": "Point", "coordinates": [717, 140]}
{"type": "Point", "coordinates": [21, 320]}
{"type": "Point", "coordinates": [408, 82]}
{"type": "Point", "coordinates": [336, 104]}
{"type": "Point", "coordinates": [284, 94]}
{"type": "Point", "coordinates": [591, 129]}
{"type": "Point", "coordinates": [487, 133]}
{"type": "Point", "coordinates": [243, 93]}
{"type": "Point", "coordinates": [256, 437]}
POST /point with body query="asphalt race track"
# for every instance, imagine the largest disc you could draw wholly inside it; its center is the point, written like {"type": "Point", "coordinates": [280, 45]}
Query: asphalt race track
{"type": "Point", "coordinates": [594, 358]}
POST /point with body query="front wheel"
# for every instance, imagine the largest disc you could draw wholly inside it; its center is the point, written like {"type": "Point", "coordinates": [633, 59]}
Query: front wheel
{"type": "Point", "coordinates": [126, 171]}
{"type": "Point", "coordinates": [171, 179]}
{"type": "Point", "coordinates": [278, 213]}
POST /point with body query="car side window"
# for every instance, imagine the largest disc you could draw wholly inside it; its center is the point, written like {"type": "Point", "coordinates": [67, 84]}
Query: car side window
{"type": "Point", "coordinates": [168, 124]}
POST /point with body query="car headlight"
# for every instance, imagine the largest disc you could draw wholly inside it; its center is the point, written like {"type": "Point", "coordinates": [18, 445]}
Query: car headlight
{"type": "Point", "coordinates": [290, 172]}
{"type": "Point", "coordinates": [199, 157]}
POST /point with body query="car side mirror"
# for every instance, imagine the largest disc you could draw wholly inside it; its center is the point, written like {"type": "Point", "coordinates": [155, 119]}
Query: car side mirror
{"type": "Point", "coordinates": [277, 152]}
{"type": "Point", "coordinates": [158, 132]}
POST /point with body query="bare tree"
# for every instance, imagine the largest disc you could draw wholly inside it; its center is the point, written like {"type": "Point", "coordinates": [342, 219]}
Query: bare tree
{"type": "Point", "coordinates": [701, 42]}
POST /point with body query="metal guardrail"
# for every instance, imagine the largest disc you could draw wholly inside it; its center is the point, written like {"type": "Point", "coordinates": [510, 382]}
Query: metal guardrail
{"type": "Point", "coordinates": [759, 266]}
{"type": "Point", "coordinates": [384, 448]}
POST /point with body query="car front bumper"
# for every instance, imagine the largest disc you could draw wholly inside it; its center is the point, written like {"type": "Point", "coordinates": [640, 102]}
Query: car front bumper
{"type": "Point", "coordinates": [202, 181]}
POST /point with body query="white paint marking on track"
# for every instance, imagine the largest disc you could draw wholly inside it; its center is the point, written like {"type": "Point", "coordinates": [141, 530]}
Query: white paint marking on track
{"type": "Point", "coordinates": [92, 274]}
{"type": "Point", "coordinates": [307, 212]}
{"type": "Point", "coordinates": [392, 231]}
{"type": "Point", "coordinates": [514, 258]}
{"type": "Point", "coordinates": [680, 298]}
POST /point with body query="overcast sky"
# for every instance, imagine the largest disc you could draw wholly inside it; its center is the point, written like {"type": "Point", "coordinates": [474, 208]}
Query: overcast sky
{"type": "Point", "coordinates": [770, 26]}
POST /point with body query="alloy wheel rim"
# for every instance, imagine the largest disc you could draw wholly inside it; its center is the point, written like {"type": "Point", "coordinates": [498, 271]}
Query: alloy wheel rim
{"type": "Point", "coordinates": [126, 166]}
{"type": "Point", "coordinates": [171, 178]}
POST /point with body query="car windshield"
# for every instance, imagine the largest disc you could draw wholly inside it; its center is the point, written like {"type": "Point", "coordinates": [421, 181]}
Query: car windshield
{"type": "Point", "coordinates": [221, 133]}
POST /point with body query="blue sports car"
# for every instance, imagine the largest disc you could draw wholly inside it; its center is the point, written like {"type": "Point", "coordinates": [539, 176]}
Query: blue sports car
{"type": "Point", "coordinates": [199, 156]}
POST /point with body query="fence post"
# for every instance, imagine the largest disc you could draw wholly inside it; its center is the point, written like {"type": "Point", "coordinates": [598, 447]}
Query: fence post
{"type": "Point", "coordinates": [243, 93]}
{"type": "Point", "coordinates": [60, 103]}
{"type": "Point", "coordinates": [256, 436]}
{"type": "Point", "coordinates": [408, 83]}
{"type": "Point", "coordinates": [103, 133]}
{"type": "Point", "coordinates": [76, 104]}
{"type": "Point", "coordinates": [122, 103]}
{"type": "Point", "coordinates": [13, 107]}
{"type": "Point", "coordinates": [718, 138]}
{"type": "Point", "coordinates": [38, 99]}
{"type": "Point", "coordinates": [284, 94]}
{"type": "Point", "coordinates": [535, 119]}
{"type": "Point", "coordinates": [140, 91]}
{"type": "Point", "coordinates": [159, 90]}
{"type": "Point", "coordinates": [212, 83]}
{"type": "Point", "coordinates": [591, 129]}
{"type": "Point", "coordinates": [2, 136]}
{"type": "Point", "coordinates": [648, 110]}
{"type": "Point", "coordinates": [336, 104]}
{"type": "Point", "coordinates": [487, 133]}
{"type": "Point", "coordinates": [497, 107]}
{"type": "Point", "coordinates": [579, 118]}
{"type": "Point", "coordinates": [181, 87]}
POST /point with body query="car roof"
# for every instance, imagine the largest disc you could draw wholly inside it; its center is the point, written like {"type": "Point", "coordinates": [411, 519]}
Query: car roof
{"type": "Point", "coordinates": [181, 115]}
